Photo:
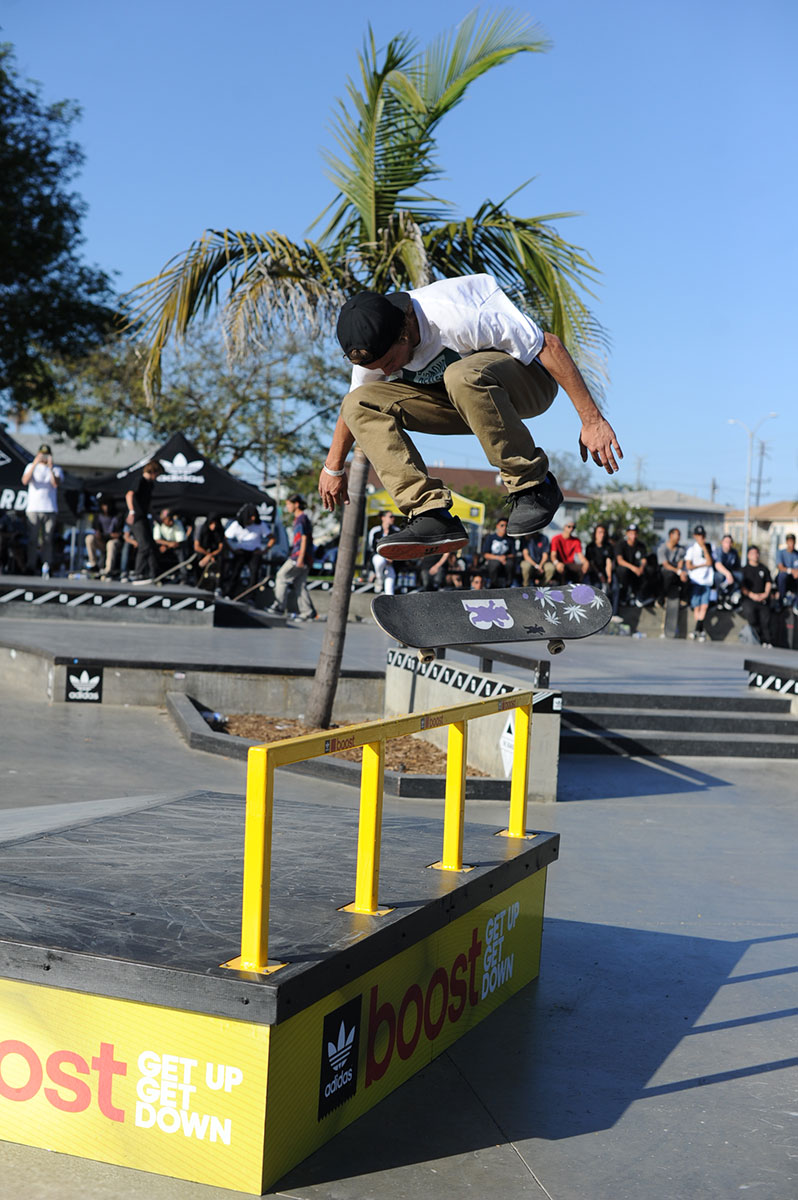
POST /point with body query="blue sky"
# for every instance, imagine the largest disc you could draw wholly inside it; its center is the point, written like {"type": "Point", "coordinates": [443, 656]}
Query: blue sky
{"type": "Point", "coordinates": [670, 129]}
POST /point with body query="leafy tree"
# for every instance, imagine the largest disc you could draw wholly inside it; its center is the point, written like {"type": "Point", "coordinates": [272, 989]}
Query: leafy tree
{"type": "Point", "coordinates": [612, 510]}
{"type": "Point", "coordinates": [383, 229]}
{"type": "Point", "coordinates": [50, 302]}
{"type": "Point", "coordinates": [492, 498]}
{"type": "Point", "coordinates": [271, 410]}
{"type": "Point", "coordinates": [571, 472]}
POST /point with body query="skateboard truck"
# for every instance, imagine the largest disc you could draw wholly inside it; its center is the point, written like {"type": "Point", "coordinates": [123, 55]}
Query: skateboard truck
{"type": "Point", "coordinates": [556, 646]}
{"type": "Point", "coordinates": [427, 655]}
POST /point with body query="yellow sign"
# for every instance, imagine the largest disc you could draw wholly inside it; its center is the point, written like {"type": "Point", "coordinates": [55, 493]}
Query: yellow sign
{"type": "Point", "coordinates": [470, 511]}
{"type": "Point", "coordinates": [234, 1104]}
{"type": "Point", "coordinates": [335, 1061]}
{"type": "Point", "coordinates": [178, 1093]}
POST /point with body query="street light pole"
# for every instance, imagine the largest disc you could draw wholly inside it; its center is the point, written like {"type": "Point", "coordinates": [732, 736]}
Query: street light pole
{"type": "Point", "coordinates": [747, 511]}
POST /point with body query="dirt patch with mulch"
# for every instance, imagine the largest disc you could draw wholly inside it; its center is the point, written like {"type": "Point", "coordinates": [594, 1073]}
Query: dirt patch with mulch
{"type": "Point", "coordinates": [409, 755]}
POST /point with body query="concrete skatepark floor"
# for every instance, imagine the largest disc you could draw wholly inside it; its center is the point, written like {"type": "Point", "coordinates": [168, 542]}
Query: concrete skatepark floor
{"type": "Point", "coordinates": [656, 1054]}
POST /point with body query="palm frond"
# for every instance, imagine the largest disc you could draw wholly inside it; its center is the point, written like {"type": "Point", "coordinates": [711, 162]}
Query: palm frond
{"type": "Point", "coordinates": [438, 80]}
{"type": "Point", "coordinates": [256, 278]}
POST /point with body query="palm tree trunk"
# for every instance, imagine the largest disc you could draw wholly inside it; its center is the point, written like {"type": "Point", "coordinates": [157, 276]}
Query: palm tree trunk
{"type": "Point", "coordinates": [319, 711]}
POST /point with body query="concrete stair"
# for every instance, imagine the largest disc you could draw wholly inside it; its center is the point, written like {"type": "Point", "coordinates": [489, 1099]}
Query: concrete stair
{"type": "Point", "coordinates": [649, 725]}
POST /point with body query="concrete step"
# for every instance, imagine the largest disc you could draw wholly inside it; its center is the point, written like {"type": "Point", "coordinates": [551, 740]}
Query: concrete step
{"type": "Point", "coordinates": [738, 725]}
{"type": "Point", "coordinates": [652, 744]}
{"type": "Point", "coordinates": [755, 703]}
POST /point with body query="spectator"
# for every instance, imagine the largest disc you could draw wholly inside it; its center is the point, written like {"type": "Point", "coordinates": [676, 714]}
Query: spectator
{"type": "Point", "coordinates": [104, 540]}
{"type": "Point", "coordinates": [756, 587]}
{"type": "Point", "coordinates": [498, 556]}
{"type": "Point", "coordinates": [701, 571]}
{"type": "Point", "coordinates": [600, 561]}
{"type": "Point", "coordinates": [673, 577]}
{"type": "Point", "coordinates": [209, 544]}
{"type": "Point", "coordinates": [566, 555]}
{"type": "Point", "coordinates": [293, 574]}
{"type": "Point", "coordinates": [248, 539]}
{"type": "Point", "coordinates": [630, 566]}
{"type": "Point", "coordinates": [42, 479]}
{"type": "Point", "coordinates": [129, 547]}
{"type": "Point", "coordinates": [172, 542]}
{"type": "Point", "coordinates": [787, 568]}
{"type": "Point", "coordinates": [728, 572]}
{"type": "Point", "coordinates": [449, 571]}
{"type": "Point", "coordinates": [384, 570]}
{"type": "Point", "coordinates": [536, 565]}
{"type": "Point", "coordinates": [477, 581]}
{"type": "Point", "coordinates": [138, 502]}
{"type": "Point", "coordinates": [12, 543]}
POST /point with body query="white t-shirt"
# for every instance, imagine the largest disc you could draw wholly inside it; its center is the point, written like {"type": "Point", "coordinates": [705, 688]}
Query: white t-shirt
{"type": "Point", "coordinates": [699, 572]}
{"type": "Point", "coordinates": [42, 494]}
{"type": "Point", "coordinates": [247, 537]}
{"type": "Point", "coordinates": [457, 317]}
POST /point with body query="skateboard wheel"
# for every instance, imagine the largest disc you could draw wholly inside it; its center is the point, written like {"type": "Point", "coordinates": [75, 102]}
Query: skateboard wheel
{"type": "Point", "coordinates": [556, 646]}
{"type": "Point", "coordinates": [426, 656]}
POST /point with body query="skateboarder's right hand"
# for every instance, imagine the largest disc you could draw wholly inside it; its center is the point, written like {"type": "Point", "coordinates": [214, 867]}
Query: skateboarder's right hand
{"type": "Point", "coordinates": [333, 490]}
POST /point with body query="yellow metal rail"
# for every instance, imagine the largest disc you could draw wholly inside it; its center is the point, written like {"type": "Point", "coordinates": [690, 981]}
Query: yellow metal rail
{"type": "Point", "coordinates": [372, 736]}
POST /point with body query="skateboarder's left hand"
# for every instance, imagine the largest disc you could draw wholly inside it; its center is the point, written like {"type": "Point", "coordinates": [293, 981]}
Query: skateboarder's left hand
{"type": "Point", "coordinates": [599, 441]}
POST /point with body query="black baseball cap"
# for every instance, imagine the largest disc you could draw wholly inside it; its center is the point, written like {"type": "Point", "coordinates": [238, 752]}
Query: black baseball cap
{"type": "Point", "coordinates": [370, 323]}
{"type": "Point", "coordinates": [45, 449]}
{"type": "Point", "coordinates": [700, 529]}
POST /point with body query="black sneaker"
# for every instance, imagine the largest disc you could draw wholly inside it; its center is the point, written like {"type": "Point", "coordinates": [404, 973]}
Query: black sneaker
{"type": "Point", "coordinates": [533, 508]}
{"type": "Point", "coordinates": [434, 531]}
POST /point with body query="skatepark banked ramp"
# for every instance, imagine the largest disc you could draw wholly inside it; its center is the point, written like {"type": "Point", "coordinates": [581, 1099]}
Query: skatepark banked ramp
{"type": "Point", "coordinates": [152, 1020]}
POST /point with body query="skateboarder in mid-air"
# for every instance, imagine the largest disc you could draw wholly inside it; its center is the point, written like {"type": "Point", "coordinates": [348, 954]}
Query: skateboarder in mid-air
{"type": "Point", "coordinates": [454, 357]}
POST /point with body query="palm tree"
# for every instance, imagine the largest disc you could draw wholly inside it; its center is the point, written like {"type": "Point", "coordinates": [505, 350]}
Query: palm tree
{"type": "Point", "coordinates": [383, 229]}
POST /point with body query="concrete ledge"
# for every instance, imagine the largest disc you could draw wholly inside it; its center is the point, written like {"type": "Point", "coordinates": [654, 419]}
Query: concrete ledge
{"type": "Point", "coordinates": [196, 732]}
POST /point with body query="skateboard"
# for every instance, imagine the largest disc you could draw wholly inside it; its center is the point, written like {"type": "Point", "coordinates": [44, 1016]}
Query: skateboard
{"type": "Point", "coordinates": [670, 627]}
{"type": "Point", "coordinates": [458, 618]}
{"type": "Point", "coordinates": [180, 566]}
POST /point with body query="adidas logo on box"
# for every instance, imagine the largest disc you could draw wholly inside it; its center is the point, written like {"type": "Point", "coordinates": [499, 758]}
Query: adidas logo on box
{"type": "Point", "coordinates": [84, 687]}
{"type": "Point", "coordinates": [339, 1056]}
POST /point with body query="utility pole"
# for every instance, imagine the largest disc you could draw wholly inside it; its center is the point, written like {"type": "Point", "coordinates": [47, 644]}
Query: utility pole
{"type": "Point", "coordinates": [747, 512]}
{"type": "Point", "coordinates": [759, 479]}
{"type": "Point", "coordinates": [713, 489]}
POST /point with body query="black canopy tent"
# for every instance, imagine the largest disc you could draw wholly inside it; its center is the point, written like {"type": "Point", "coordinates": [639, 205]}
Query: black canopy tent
{"type": "Point", "coordinates": [189, 483]}
{"type": "Point", "coordinates": [14, 494]}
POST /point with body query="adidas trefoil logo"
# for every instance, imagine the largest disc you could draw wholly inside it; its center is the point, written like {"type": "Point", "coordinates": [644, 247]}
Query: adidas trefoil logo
{"type": "Point", "coordinates": [181, 469]}
{"type": "Point", "coordinates": [84, 682]}
{"type": "Point", "coordinates": [337, 1055]}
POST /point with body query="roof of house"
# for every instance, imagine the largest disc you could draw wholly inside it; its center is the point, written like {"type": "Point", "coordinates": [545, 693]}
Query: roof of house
{"type": "Point", "coordinates": [779, 510]}
{"type": "Point", "coordinates": [102, 456]}
{"type": "Point", "coordinates": [672, 500]}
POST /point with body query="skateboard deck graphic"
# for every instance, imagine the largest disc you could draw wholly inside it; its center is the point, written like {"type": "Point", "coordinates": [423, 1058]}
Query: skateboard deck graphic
{"type": "Point", "coordinates": [458, 618]}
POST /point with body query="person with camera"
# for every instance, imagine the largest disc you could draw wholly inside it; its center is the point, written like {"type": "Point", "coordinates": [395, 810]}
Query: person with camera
{"type": "Point", "coordinates": [42, 479]}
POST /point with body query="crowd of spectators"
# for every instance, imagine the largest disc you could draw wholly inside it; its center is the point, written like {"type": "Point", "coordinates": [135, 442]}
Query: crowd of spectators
{"type": "Point", "coordinates": [231, 555]}
{"type": "Point", "coordinates": [631, 573]}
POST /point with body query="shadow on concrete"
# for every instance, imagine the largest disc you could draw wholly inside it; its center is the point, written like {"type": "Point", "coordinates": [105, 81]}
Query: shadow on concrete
{"type": "Point", "coordinates": [598, 777]}
{"type": "Point", "coordinates": [565, 1057]}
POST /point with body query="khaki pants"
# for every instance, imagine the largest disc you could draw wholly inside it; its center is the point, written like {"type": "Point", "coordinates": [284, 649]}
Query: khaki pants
{"type": "Point", "coordinates": [488, 394]}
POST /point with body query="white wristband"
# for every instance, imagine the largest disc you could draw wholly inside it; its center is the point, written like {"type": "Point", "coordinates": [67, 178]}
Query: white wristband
{"type": "Point", "coordinates": [335, 474]}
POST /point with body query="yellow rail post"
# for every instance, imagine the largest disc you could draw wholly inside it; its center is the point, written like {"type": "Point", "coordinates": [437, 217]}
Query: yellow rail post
{"type": "Point", "coordinates": [519, 786]}
{"type": "Point", "coordinates": [367, 880]}
{"type": "Point", "coordinates": [257, 862]}
{"type": "Point", "coordinates": [454, 810]}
